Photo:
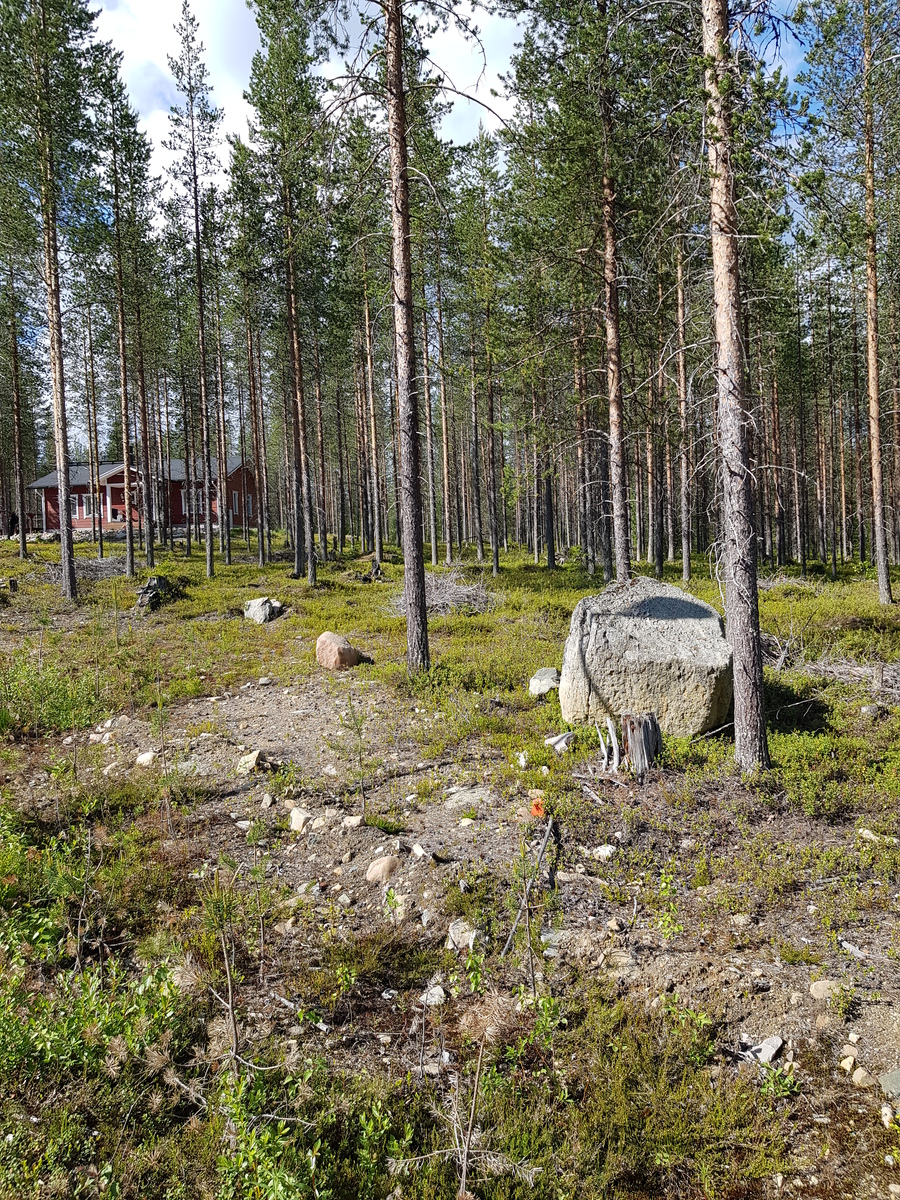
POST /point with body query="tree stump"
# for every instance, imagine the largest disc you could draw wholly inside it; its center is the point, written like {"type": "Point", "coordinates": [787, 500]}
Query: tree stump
{"type": "Point", "coordinates": [642, 741]}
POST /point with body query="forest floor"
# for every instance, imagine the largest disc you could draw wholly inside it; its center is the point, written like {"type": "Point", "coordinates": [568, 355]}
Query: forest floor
{"type": "Point", "coordinates": [199, 1000]}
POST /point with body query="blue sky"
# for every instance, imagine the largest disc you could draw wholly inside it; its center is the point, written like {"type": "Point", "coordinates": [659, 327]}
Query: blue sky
{"type": "Point", "coordinates": [144, 31]}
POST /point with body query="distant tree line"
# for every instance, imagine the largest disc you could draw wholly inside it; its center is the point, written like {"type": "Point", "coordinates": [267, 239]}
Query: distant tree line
{"type": "Point", "coordinates": [655, 315]}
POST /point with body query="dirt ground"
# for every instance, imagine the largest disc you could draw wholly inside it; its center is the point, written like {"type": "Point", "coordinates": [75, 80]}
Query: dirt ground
{"type": "Point", "coordinates": [328, 738]}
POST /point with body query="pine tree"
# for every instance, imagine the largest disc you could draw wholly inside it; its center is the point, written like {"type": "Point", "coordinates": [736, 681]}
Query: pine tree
{"type": "Point", "coordinates": [47, 63]}
{"type": "Point", "coordinates": [741, 597]}
{"type": "Point", "coordinates": [194, 127]}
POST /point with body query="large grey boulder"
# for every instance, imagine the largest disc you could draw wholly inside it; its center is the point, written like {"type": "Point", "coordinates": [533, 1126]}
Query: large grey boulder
{"type": "Point", "coordinates": [645, 646]}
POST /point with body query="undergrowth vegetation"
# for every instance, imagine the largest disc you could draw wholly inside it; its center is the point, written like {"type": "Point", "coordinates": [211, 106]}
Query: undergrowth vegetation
{"type": "Point", "coordinates": [128, 1073]}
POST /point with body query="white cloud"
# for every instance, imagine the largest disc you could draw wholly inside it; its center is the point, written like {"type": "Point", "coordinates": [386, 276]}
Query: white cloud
{"type": "Point", "coordinates": [144, 31]}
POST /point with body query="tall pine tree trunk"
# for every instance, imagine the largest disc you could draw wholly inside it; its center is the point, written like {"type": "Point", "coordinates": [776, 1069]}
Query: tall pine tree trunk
{"type": "Point", "coordinates": [878, 522]}
{"type": "Point", "coordinates": [618, 469]}
{"type": "Point", "coordinates": [144, 413]}
{"type": "Point", "coordinates": [418, 657]}
{"type": "Point", "coordinates": [222, 481]}
{"type": "Point", "coordinates": [373, 428]}
{"type": "Point", "coordinates": [429, 430]}
{"type": "Point", "coordinates": [684, 432]}
{"type": "Point", "coordinates": [476, 455]}
{"type": "Point", "coordinates": [50, 231]}
{"type": "Point", "coordinates": [123, 361]}
{"type": "Point", "coordinates": [741, 599]}
{"type": "Point", "coordinates": [321, 512]}
{"type": "Point", "coordinates": [18, 464]}
{"type": "Point", "coordinates": [445, 426]}
{"type": "Point", "coordinates": [492, 461]}
{"type": "Point", "coordinates": [300, 408]}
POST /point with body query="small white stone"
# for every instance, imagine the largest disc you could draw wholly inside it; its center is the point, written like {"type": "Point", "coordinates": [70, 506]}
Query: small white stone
{"type": "Point", "coordinates": [382, 869]}
{"type": "Point", "coordinates": [769, 1048]}
{"type": "Point", "coordinates": [249, 762]}
{"type": "Point", "coordinates": [300, 819]}
{"type": "Point", "coordinates": [461, 935]}
{"type": "Point", "coordinates": [352, 822]}
{"type": "Point", "coordinates": [433, 996]}
{"type": "Point", "coordinates": [823, 989]}
{"type": "Point", "coordinates": [145, 759]}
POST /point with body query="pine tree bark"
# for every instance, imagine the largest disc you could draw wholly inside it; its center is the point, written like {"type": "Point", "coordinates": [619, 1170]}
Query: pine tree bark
{"type": "Point", "coordinates": [222, 489]}
{"type": "Point", "coordinates": [18, 463]}
{"type": "Point", "coordinates": [321, 511]}
{"type": "Point", "coordinates": [265, 506]}
{"type": "Point", "coordinates": [741, 599]}
{"type": "Point", "coordinates": [476, 455]}
{"type": "Point", "coordinates": [418, 657]}
{"type": "Point", "coordinates": [254, 438]}
{"type": "Point", "coordinates": [858, 471]}
{"type": "Point", "coordinates": [493, 528]}
{"type": "Point", "coordinates": [429, 430]}
{"type": "Point", "coordinates": [144, 414]}
{"type": "Point", "coordinates": [875, 462]}
{"type": "Point", "coordinates": [684, 434]}
{"type": "Point", "coordinates": [201, 367]}
{"type": "Point", "coordinates": [123, 361]}
{"type": "Point", "coordinates": [445, 425]}
{"type": "Point", "coordinates": [617, 465]}
{"type": "Point", "coordinates": [778, 482]}
{"type": "Point", "coordinates": [373, 427]}
{"type": "Point", "coordinates": [300, 405]}
{"type": "Point", "coordinates": [50, 230]}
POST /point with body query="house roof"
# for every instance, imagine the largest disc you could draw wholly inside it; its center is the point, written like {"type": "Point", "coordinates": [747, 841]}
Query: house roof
{"type": "Point", "coordinates": [80, 473]}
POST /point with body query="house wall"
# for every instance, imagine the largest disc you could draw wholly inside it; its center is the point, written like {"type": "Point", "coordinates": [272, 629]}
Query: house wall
{"type": "Point", "coordinates": [113, 502]}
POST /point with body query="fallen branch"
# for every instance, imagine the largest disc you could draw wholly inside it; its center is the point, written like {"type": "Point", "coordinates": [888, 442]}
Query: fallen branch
{"type": "Point", "coordinates": [448, 592]}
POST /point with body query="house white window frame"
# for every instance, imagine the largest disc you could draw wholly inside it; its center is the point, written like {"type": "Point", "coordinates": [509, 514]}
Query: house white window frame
{"type": "Point", "coordinates": [88, 504]}
{"type": "Point", "coordinates": [249, 505]}
{"type": "Point", "coordinates": [73, 505]}
{"type": "Point", "coordinates": [235, 499]}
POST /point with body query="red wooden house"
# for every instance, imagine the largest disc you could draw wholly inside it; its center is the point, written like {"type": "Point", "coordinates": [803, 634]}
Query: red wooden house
{"type": "Point", "coordinates": [239, 496]}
